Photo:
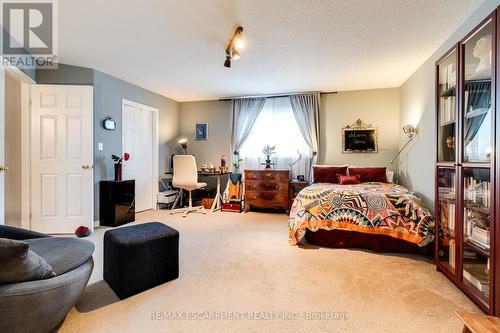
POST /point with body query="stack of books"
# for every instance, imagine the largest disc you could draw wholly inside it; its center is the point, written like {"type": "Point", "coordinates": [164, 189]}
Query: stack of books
{"type": "Point", "coordinates": [478, 275]}
{"type": "Point", "coordinates": [480, 237]}
{"type": "Point", "coordinates": [449, 76]}
{"type": "Point", "coordinates": [447, 107]}
{"type": "Point", "coordinates": [477, 191]}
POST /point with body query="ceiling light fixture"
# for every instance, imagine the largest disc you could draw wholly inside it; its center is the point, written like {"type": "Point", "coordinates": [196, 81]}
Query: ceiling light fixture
{"type": "Point", "coordinates": [236, 43]}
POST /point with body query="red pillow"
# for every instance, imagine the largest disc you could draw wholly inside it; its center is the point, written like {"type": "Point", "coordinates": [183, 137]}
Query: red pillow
{"type": "Point", "coordinates": [349, 180]}
{"type": "Point", "coordinates": [328, 173]}
{"type": "Point", "coordinates": [370, 174]}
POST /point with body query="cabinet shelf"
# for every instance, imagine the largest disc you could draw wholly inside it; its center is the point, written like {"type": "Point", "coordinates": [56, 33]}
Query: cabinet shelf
{"type": "Point", "coordinates": [449, 92]}
{"type": "Point", "coordinates": [477, 248]}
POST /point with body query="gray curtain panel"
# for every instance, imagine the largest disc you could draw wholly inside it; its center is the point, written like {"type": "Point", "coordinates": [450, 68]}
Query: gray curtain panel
{"type": "Point", "coordinates": [306, 111]}
{"type": "Point", "coordinates": [244, 115]}
{"type": "Point", "coordinates": [479, 98]}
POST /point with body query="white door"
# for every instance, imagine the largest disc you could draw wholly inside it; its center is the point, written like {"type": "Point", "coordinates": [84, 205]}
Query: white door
{"type": "Point", "coordinates": [61, 158]}
{"type": "Point", "coordinates": [2, 146]}
{"type": "Point", "coordinates": [137, 131]}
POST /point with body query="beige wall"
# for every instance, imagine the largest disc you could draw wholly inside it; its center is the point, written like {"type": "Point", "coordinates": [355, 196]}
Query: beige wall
{"type": "Point", "coordinates": [417, 163]}
{"type": "Point", "coordinates": [380, 107]}
{"type": "Point", "coordinates": [13, 207]}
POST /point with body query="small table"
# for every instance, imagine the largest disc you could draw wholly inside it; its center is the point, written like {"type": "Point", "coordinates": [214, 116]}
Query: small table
{"type": "Point", "coordinates": [475, 322]}
{"type": "Point", "coordinates": [217, 204]}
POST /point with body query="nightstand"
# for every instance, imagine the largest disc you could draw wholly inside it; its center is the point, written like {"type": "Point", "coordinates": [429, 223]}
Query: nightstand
{"type": "Point", "coordinates": [294, 187]}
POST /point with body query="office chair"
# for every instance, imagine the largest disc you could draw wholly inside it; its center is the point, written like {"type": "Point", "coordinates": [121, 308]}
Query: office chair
{"type": "Point", "coordinates": [186, 177]}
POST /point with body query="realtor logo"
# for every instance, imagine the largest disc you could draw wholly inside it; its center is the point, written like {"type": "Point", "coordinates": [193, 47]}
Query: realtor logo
{"type": "Point", "coordinates": [29, 33]}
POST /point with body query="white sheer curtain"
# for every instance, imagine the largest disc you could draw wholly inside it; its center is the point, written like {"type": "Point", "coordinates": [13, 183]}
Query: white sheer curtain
{"type": "Point", "coordinates": [276, 125]}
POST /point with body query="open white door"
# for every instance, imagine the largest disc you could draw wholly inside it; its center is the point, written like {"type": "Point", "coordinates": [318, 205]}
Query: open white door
{"type": "Point", "coordinates": [2, 146]}
{"type": "Point", "coordinates": [61, 158]}
{"type": "Point", "coordinates": [140, 140]}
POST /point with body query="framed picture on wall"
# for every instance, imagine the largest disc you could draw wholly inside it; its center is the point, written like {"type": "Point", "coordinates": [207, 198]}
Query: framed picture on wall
{"type": "Point", "coordinates": [201, 131]}
{"type": "Point", "coordinates": [359, 138]}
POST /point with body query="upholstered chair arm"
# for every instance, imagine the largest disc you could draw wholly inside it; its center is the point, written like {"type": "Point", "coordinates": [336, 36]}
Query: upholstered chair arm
{"type": "Point", "coordinates": [18, 233]}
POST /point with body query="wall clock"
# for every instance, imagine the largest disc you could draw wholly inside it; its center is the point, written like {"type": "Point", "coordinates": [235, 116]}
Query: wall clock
{"type": "Point", "coordinates": [109, 124]}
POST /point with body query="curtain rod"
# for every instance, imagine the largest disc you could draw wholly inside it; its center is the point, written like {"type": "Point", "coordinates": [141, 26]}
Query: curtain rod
{"type": "Point", "coordinates": [277, 95]}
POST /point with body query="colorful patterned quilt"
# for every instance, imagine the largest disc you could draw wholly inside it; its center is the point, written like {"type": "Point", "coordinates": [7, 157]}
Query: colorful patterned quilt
{"type": "Point", "coordinates": [375, 208]}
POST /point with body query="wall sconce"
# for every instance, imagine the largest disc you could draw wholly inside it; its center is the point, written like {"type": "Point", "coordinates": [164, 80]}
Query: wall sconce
{"type": "Point", "coordinates": [184, 145]}
{"type": "Point", "coordinates": [410, 132]}
{"type": "Point", "coordinates": [236, 43]}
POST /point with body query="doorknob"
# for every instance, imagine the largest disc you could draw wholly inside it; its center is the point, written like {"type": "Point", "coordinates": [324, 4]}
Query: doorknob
{"type": "Point", "coordinates": [3, 168]}
{"type": "Point", "coordinates": [86, 166]}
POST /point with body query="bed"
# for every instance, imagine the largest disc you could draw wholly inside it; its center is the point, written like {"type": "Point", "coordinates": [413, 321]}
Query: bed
{"type": "Point", "coordinates": [384, 217]}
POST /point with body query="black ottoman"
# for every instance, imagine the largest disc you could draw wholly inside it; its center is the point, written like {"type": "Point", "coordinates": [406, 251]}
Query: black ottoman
{"type": "Point", "coordinates": [140, 257]}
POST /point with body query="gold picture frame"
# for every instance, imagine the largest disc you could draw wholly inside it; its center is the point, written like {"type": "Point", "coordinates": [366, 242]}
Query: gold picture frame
{"type": "Point", "coordinates": [359, 138]}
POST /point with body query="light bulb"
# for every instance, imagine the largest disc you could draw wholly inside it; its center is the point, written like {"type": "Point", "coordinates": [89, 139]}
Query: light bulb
{"type": "Point", "coordinates": [236, 55]}
{"type": "Point", "coordinates": [238, 43]}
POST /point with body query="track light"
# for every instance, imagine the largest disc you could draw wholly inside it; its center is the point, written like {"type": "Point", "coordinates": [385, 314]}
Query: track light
{"type": "Point", "coordinates": [236, 43]}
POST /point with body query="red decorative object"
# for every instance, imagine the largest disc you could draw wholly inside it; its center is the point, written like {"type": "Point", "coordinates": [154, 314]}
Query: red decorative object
{"type": "Point", "coordinates": [82, 231]}
{"type": "Point", "coordinates": [328, 173]}
{"type": "Point", "coordinates": [126, 156]}
{"type": "Point", "coordinates": [372, 174]}
{"type": "Point", "coordinates": [349, 180]}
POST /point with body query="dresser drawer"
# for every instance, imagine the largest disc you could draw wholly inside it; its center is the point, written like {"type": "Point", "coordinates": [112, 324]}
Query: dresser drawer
{"type": "Point", "coordinates": [277, 175]}
{"type": "Point", "coordinates": [265, 185]}
{"type": "Point", "coordinates": [266, 196]}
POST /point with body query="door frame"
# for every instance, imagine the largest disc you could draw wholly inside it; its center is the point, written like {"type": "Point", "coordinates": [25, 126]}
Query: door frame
{"type": "Point", "coordinates": [26, 83]}
{"type": "Point", "coordinates": [155, 144]}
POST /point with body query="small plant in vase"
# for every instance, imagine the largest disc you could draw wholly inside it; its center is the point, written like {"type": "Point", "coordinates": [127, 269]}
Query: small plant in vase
{"type": "Point", "coordinates": [118, 164]}
{"type": "Point", "coordinates": [268, 150]}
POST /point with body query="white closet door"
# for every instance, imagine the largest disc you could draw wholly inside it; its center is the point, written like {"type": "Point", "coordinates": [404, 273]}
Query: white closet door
{"type": "Point", "coordinates": [137, 134]}
{"type": "Point", "coordinates": [61, 158]}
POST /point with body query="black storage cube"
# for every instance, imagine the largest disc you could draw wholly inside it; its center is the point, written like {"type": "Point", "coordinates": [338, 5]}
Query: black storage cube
{"type": "Point", "coordinates": [140, 257]}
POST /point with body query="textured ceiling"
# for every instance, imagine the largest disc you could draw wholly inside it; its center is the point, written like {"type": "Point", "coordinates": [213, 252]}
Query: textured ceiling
{"type": "Point", "coordinates": [176, 48]}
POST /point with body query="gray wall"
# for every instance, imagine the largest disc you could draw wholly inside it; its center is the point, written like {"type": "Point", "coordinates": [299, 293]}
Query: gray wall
{"type": "Point", "coordinates": [108, 94]}
{"type": "Point", "coordinates": [217, 114]}
{"type": "Point", "coordinates": [380, 107]}
{"type": "Point", "coordinates": [13, 209]}
{"type": "Point", "coordinates": [417, 163]}
{"type": "Point", "coordinates": [66, 74]}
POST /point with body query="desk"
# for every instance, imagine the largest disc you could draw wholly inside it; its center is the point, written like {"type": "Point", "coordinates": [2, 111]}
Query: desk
{"type": "Point", "coordinates": [218, 196]}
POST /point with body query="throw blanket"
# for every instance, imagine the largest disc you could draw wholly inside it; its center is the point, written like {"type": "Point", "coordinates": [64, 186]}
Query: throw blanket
{"type": "Point", "coordinates": [375, 208]}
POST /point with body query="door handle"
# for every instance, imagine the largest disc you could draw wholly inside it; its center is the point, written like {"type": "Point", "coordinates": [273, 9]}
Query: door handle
{"type": "Point", "coordinates": [3, 169]}
{"type": "Point", "coordinates": [86, 166]}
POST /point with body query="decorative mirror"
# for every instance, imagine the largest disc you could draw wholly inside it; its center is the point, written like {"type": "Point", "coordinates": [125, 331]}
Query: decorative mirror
{"type": "Point", "coordinates": [359, 138]}
{"type": "Point", "coordinates": [109, 124]}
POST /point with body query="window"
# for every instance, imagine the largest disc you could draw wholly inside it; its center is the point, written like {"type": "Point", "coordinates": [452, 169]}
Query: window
{"type": "Point", "coordinates": [276, 125]}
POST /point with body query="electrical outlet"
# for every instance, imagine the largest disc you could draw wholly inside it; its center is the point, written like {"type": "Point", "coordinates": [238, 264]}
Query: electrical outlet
{"type": "Point", "coordinates": [100, 146]}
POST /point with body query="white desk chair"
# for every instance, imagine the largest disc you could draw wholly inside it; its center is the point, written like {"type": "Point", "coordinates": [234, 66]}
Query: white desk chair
{"type": "Point", "coordinates": [186, 178]}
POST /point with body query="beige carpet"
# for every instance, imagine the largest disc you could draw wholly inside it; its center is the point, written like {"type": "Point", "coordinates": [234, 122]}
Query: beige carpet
{"type": "Point", "coordinates": [242, 265]}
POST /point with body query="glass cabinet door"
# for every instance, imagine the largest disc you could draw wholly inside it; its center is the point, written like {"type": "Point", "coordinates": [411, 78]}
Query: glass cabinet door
{"type": "Point", "coordinates": [446, 214]}
{"type": "Point", "coordinates": [477, 126]}
{"type": "Point", "coordinates": [477, 229]}
{"type": "Point", "coordinates": [447, 108]}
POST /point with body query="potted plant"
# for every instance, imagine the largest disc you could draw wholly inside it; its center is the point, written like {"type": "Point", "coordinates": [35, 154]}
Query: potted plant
{"type": "Point", "coordinates": [118, 164]}
{"type": "Point", "coordinates": [268, 150]}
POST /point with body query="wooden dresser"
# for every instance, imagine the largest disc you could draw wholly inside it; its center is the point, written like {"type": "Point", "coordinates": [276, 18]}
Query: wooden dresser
{"type": "Point", "coordinates": [266, 189]}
